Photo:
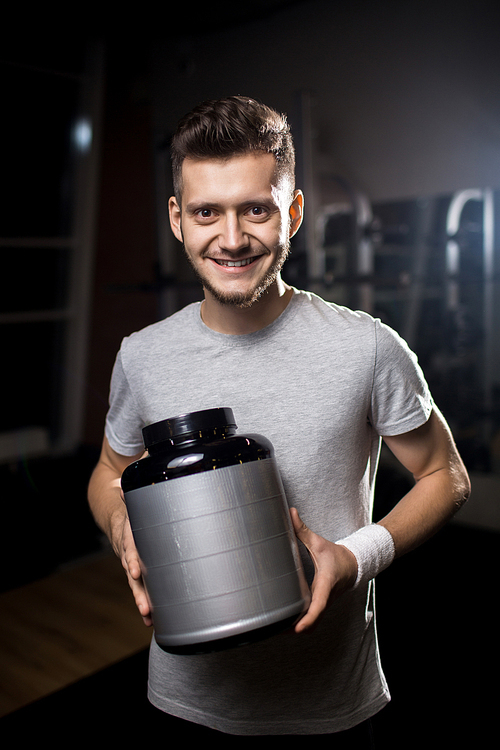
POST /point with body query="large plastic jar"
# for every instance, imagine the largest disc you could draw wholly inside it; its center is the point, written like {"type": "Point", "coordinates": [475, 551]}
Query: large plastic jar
{"type": "Point", "coordinates": [211, 524]}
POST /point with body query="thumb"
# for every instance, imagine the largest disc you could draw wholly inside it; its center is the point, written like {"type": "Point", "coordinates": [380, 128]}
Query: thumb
{"type": "Point", "coordinates": [302, 532]}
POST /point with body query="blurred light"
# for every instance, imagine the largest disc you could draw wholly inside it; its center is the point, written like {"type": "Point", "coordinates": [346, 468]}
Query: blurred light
{"type": "Point", "coordinates": [82, 135]}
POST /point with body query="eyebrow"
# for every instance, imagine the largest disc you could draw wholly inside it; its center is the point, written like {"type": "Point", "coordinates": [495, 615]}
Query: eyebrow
{"type": "Point", "coordinates": [193, 206]}
{"type": "Point", "coordinates": [197, 205]}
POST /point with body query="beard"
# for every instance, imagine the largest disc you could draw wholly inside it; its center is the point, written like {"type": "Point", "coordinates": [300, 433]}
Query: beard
{"type": "Point", "coordinates": [245, 299]}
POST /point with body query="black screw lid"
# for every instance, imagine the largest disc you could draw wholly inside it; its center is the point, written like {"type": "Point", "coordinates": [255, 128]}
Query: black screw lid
{"type": "Point", "coordinates": [195, 421]}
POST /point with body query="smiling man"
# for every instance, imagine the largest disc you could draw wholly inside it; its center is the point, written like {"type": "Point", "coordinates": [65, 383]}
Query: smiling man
{"type": "Point", "coordinates": [326, 385]}
{"type": "Point", "coordinates": [236, 233]}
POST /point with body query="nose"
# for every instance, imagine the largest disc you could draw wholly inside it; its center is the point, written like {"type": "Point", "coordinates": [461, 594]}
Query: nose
{"type": "Point", "coordinates": [232, 237]}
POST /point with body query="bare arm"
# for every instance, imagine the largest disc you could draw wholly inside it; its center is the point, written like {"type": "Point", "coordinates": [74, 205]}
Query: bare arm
{"type": "Point", "coordinates": [441, 487]}
{"type": "Point", "coordinates": [110, 513]}
{"type": "Point", "coordinates": [441, 483]}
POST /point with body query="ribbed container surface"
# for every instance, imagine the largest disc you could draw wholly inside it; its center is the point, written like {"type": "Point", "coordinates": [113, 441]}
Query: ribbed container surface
{"type": "Point", "coordinates": [219, 553]}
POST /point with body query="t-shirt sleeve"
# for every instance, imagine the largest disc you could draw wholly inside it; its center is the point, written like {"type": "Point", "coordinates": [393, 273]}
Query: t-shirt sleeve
{"type": "Point", "coordinates": [123, 423]}
{"type": "Point", "coordinates": [401, 400]}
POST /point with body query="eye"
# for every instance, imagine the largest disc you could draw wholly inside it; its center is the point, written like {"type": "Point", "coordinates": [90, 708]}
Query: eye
{"type": "Point", "coordinates": [257, 211]}
{"type": "Point", "coordinates": [205, 213]}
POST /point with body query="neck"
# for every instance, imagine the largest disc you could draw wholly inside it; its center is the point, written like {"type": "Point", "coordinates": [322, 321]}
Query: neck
{"type": "Point", "coordinates": [241, 320]}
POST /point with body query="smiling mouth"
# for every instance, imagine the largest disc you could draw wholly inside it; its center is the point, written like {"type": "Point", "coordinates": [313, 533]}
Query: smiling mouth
{"type": "Point", "coordinates": [236, 263]}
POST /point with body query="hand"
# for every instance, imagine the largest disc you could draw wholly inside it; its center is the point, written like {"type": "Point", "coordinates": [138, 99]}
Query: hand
{"type": "Point", "coordinates": [107, 503]}
{"type": "Point", "coordinates": [127, 552]}
{"type": "Point", "coordinates": [335, 569]}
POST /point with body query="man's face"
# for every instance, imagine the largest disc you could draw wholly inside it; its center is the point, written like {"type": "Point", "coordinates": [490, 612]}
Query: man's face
{"type": "Point", "coordinates": [235, 223]}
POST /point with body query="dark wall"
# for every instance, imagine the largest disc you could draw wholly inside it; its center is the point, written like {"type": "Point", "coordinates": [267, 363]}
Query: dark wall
{"type": "Point", "coordinates": [124, 298]}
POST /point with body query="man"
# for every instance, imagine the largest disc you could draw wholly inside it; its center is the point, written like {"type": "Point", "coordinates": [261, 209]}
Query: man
{"type": "Point", "coordinates": [324, 384]}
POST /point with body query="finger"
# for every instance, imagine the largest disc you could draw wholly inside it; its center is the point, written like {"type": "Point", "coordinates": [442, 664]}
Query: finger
{"type": "Point", "coordinates": [320, 591]}
{"type": "Point", "coordinates": [316, 606]}
{"type": "Point", "coordinates": [296, 519]}
{"type": "Point", "coordinates": [141, 598]}
{"type": "Point", "coordinates": [301, 530]}
{"type": "Point", "coordinates": [131, 561]}
{"type": "Point", "coordinates": [132, 565]}
{"type": "Point", "coordinates": [142, 604]}
{"type": "Point", "coordinates": [308, 538]}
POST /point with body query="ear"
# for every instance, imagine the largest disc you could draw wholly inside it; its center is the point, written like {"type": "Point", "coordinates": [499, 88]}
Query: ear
{"type": "Point", "coordinates": [174, 213]}
{"type": "Point", "coordinates": [296, 212]}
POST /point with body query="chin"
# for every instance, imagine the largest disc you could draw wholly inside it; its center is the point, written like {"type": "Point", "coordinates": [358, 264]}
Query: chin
{"type": "Point", "coordinates": [242, 300]}
{"type": "Point", "coordinates": [245, 299]}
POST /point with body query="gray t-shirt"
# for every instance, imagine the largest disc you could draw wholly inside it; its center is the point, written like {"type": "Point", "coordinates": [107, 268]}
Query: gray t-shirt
{"type": "Point", "coordinates": [323, 383]}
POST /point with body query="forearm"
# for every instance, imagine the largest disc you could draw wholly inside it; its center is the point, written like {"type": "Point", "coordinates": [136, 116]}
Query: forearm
{"type": "Point", "coordinates": [105, 496]}
{"type": "Point", "coordinates": [441, 484]}
{"type": "Point", "coordinates": [106, 503]}
{"type": "Point", "coordinates": [429, 505]}
{"type": "Point", "coordinates": [441, 487]}
{"type": "Point", "coordinates": [110, 513]}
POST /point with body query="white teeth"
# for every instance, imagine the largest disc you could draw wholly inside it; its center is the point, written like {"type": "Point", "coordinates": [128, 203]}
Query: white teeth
{"type": "Point", "coordinates": [237, 263]}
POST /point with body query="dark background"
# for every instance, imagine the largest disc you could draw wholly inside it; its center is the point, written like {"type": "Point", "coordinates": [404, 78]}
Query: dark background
{"type": "Point", "coordinates": [394, 102]}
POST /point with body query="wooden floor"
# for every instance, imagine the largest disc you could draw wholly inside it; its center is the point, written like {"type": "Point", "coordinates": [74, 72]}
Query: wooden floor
{"type": "Point", "coordinates": [64, 627]}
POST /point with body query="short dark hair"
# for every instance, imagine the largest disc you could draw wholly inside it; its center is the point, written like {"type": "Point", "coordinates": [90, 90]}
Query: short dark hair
{"type": "Point", "coordinates": [220, 129]}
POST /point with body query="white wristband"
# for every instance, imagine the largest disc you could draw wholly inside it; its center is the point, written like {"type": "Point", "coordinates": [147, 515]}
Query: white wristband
{"type": "Point", "coordinates": [373, 548]}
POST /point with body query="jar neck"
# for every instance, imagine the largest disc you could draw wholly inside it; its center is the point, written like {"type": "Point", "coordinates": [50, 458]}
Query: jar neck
{"type": "Point", "coordinates": [205, 436]}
